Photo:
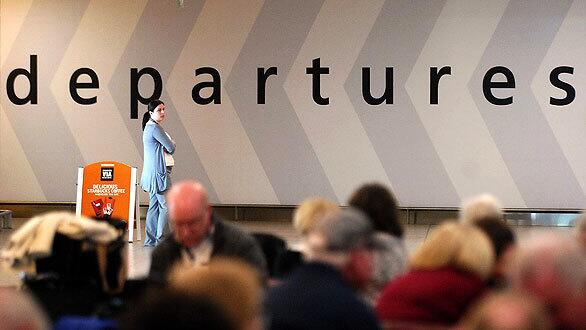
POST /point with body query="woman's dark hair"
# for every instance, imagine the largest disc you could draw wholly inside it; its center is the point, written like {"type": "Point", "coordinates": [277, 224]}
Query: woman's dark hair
{"type": "Point", "coordinates": [498, 231]}
{"type": "Point", "coordinates": [150, 108]}
{"type": "Point", "coordinates": [381, 207]}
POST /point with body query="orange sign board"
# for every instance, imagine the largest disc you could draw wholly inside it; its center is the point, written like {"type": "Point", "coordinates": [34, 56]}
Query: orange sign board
{"type": "Point", "coordinates": [106, 191]}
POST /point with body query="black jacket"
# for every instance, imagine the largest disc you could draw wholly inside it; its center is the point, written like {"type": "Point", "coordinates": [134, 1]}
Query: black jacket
{"type": "Point", "coordinates": [316, 296]}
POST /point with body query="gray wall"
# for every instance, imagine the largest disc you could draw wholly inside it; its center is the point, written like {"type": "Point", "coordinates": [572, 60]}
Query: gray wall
{"type": "Point", "coordinates": [528, 153]}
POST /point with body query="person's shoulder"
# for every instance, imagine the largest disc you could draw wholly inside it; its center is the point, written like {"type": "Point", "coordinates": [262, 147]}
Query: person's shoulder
{"type": "Point", "coordinates": [361, 316]}
{"type": "Point", "coordinates": [390, 243]}
{"type": "Point", "coordinates": [167, 246]}
{"type": "Point", "coordinates": [229, 237]}
{"type": "Point", "coordinates": [227, 228]}
{"type": "Point", "coordinates": [149, 128]}
{"type": "Point", "coordinates": [152, 126]}
{"type": "Point", "coordinates": [386, 238]}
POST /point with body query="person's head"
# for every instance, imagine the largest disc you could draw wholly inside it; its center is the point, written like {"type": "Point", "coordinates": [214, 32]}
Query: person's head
{"type": "Point", "coordinates": [552, 267]}
{"type": "Point", "coordinates": [580, 230]}
{"type": "Point", "coordinates": [19, 311]}
{"type": "Point", "coordinates": [172, 309]}
{"type": "Point", "coordinates": [380, 205]}
{"type": "Point", "coordinates": [189, 213]}
{"type": "Point", "coordinates": [506, 311]}
{"type": "Point", "coordinates": [231, 284]}
{"type": "Point", "coordinates": [481, 207]}
{"type": "Point", "coordinates": [344, 240]}
{"type": "Point", "coordinates": [155, 111]}
{"type": "Point", "coordinates": [310, 211]}
{"type": "Point", "coordinates": [503, 243]}
{"type": "Point", "coordinates": [456, 245]}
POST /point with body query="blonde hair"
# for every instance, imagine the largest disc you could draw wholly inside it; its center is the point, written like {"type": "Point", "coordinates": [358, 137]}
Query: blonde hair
{"type": "Point", "coordinates": [231, 284]}
{"type": "Point", "coordinates": [481, 207]}
{"type": "Point", "coordinates": [456, 245]}
{"type": "Point", "coordinates": [310, 211]}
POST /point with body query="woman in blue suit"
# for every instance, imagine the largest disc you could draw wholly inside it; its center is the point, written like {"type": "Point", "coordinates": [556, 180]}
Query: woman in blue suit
{"type": "Point", "coordinates": [156, 170]}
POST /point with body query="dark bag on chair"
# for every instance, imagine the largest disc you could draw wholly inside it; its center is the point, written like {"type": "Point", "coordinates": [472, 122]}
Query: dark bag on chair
{"type": "Point", "coordinates": [77, 277]}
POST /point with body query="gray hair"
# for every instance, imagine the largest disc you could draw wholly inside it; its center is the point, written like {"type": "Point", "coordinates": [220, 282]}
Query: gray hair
{"type": "Point", "coordinates": [343, 232]}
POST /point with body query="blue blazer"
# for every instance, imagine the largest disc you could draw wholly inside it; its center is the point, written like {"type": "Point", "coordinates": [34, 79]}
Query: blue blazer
{"type": "Point", "coordinates": [154, 178]}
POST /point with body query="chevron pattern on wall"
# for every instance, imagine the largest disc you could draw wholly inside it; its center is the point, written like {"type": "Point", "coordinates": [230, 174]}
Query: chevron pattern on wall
{"type": "Point", "coordinates": [289, 147]}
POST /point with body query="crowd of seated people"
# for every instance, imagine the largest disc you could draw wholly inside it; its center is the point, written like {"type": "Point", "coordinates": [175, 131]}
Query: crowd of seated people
{"type": "Point", "coordinates": [352, 271]}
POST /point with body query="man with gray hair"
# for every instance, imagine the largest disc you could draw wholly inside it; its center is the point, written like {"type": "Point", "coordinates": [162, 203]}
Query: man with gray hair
{"type": "Point", "coordinates": [321, 294]}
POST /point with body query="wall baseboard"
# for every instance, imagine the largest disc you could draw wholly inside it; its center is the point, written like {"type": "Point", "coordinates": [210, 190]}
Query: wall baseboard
{"type": "Point", "coordinates": [284, 213]}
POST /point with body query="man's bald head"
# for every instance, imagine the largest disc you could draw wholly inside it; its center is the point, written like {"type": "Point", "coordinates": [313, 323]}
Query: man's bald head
{"type": "Point", "coordinates": [189, 212]}
{"type": "Point", "coordinates": [186, 196]}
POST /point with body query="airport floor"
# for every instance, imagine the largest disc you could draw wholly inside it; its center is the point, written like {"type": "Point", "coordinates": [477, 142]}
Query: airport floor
{"type": "Point", "coordinates": [139, 256]}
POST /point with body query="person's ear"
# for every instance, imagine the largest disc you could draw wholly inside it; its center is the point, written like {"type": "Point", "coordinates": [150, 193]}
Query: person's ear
{"type": "Point", "coordinates": [209, 211]}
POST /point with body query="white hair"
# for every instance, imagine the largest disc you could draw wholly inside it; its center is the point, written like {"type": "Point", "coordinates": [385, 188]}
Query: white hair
{"type": "Point", "coordinates": [481, 207]}
{"type": "Point", "coordinates": [335, 236]}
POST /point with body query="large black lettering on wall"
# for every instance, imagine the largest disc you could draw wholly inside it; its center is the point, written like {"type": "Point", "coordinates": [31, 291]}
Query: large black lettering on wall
{"type": "Point", "coordinates": [387, 96]}
{"type": "Point", "coordinates": [31, 76]}
{"type": "Point", "coordinates": [554, 78]}
{"type": "Point", "coordinates": [74, 85]}
{"type": "Point", "coordinates": [262, 75]}
{"type": "Point", "coordinates": [135, 95]}
{"type": "Point", "coordinates": [216, 85]}
{"type": "Point", "coordinates": [434, 78]}
{"type": "Point", "coordinates": [488, 85]}
{"type": "Point", "coordinates": [315, 71]}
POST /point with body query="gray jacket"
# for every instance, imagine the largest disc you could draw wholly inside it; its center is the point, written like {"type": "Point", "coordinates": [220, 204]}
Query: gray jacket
{"type": "Point", "coordinates": [227, 241]}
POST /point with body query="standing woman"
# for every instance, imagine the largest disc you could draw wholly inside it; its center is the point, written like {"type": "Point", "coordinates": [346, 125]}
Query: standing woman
{"type": "Point", "coordinates": [156, 170]}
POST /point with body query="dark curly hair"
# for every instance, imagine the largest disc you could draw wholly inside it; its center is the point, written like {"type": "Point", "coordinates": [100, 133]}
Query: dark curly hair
{"type": "Point", "coordinates": [380, 205]}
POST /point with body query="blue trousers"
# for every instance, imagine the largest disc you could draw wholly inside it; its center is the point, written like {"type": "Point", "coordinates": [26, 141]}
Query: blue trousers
{"type": "Point", "coordinates": [156, 219]}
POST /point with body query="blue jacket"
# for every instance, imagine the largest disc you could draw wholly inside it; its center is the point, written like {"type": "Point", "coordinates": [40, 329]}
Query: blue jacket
{"type": "Point", "coordinates": [154, 178]}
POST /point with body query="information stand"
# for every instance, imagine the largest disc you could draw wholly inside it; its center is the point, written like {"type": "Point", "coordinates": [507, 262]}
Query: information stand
{"type": "Point", "coordinates": [106, 190]}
